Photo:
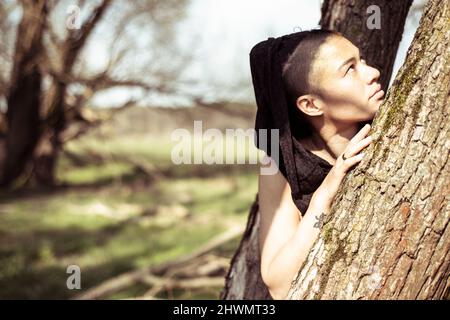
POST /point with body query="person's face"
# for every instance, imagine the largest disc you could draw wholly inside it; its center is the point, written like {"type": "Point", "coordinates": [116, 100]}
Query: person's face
{"type": "Point", "coordinates": [348, 87]}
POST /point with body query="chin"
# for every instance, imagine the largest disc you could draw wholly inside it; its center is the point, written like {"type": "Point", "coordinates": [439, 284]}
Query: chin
{"type": "Point", "coordinates": [375, 107]}
{"type": "Point", "coordinates": [369, 117]}
{"type": "Point", "coordinates": [379, 103]}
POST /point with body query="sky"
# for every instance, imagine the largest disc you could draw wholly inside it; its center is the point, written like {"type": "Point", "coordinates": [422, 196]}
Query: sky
{"type": "Point", "coordinates": [221, 33]}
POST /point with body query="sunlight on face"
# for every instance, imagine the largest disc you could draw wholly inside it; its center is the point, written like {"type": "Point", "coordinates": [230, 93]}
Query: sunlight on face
{"type": "Point", "coordinates": [348, 86]}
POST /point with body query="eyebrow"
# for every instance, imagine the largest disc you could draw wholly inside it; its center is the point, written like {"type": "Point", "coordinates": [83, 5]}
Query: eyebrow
{"type": "Point", "coordinates": [352, 59]}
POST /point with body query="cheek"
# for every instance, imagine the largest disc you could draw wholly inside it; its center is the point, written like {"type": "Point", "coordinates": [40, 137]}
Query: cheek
{"type": "Point", "coordinates": [346, 91]}
{"type": "Point", "coordinates": [346, 101]}
{"type": "Point", "coordinates": [353, 89]}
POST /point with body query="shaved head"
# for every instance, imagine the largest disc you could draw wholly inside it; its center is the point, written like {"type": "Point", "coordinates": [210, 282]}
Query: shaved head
{"type": "Point", "coordinates": [302, 72]}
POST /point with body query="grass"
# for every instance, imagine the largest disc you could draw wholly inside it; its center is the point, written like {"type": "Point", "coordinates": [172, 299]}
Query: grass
{"type": "Point", "coordinates": [109, 218]}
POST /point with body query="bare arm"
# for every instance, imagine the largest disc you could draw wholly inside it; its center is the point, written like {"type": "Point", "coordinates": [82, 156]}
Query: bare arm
{"type": "Point", "coordinates": [285, 237]}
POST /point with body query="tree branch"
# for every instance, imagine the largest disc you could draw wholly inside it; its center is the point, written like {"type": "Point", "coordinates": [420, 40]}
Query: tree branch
{"type": "Point", "coordinates": [77, 38]}
{"type": "Point", "coordinates": [124, 280]}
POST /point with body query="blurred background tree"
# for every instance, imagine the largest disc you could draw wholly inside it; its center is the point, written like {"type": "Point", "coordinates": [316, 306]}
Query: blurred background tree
{"type": "Point", "coordinates": [49, 84]}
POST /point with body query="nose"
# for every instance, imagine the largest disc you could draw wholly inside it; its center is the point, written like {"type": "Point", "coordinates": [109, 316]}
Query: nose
{"type": "Point", "coordinates": [372, 75]}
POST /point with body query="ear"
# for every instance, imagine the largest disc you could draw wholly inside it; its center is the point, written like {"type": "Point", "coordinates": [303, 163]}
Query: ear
{"type": "Point", "coordinates": [309, 105]}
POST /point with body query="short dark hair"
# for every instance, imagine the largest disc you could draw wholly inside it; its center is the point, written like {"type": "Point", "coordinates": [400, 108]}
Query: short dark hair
{"type": "Point", "coordinates": [296, 72]}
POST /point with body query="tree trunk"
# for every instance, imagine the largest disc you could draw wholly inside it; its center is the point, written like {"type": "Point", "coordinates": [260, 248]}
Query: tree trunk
{"type": "Point", "coordinates": [387, 235]}
{"type": "Point", "coordinates": [31, 139]}
{"type": "Point", "coordinates": [24, 96]}
{"type": "Point", "coordinates": [379, 48]}
{"type": "Point", "coordinates": [50, 144]}
{"type": "Point", "coordinates": [243, 280]}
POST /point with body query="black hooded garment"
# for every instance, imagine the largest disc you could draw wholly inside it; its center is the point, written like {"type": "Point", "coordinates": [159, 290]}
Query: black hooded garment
{"type": "Point", "coordinates": [303, 170]}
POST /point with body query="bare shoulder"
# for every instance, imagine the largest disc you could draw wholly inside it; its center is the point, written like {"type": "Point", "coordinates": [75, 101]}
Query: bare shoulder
{"type": "Point", "coordinates": [274, 193]}
{"type": "Point", "coordinates": [279, 216]}
{"type": "Point", "coordinates": [271, 183]}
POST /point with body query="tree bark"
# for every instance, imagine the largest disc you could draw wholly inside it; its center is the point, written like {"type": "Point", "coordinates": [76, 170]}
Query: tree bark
{"type": "Point", "coordinates": [243, 280]}
{"type": "Point", "coordinates": [387, 235]}
{"type": "Point", "coordinates": [379, 48]}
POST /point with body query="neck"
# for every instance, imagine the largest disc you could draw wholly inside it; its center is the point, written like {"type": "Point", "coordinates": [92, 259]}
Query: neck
{"type": "Point", "coordinates": [333, 137]}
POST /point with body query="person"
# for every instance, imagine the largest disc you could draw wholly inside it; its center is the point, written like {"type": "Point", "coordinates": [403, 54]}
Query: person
{"type": "Point", "coordinates": [314, 87]}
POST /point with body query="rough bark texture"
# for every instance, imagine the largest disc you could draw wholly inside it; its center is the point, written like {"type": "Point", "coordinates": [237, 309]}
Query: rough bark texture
{"type": "Point", "coordinates": [379, 48]}
{"type": "Point", "coordinates": [387, 235]}
{"type": "Point", "coordinates": [349, 17]}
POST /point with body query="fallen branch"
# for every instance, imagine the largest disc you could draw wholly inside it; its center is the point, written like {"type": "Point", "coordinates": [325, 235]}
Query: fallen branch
{"type": "Point", "coordinates": [124, 280]}
{"type": "Point", "coordinates": [170, 284]}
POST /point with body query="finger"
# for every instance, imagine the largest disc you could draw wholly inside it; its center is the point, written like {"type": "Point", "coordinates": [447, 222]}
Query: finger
{"type": "Point", "coordinates": [361, 134]}
{"type": "Point", "coordinates": [350, 162]}
{"type": "Point", "coordinates": [358, 146]}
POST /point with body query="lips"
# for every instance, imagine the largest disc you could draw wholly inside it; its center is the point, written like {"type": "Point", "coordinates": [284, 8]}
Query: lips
{"type": "Point", "coordinates": [378, 89]}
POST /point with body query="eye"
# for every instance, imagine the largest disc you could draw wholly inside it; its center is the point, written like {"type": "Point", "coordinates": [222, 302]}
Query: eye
{"type": "Point", "coordinates": [351, 68]}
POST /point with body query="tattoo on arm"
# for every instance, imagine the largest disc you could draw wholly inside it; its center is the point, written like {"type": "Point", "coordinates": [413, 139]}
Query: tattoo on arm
{"type": "Point", "coordinates": [319, 222]}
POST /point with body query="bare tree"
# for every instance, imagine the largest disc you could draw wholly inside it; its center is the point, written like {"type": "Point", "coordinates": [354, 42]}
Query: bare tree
{"type": "Point", "coordinates": [64, 85]}
{"type": "Point", "coordinates": [53, 104]}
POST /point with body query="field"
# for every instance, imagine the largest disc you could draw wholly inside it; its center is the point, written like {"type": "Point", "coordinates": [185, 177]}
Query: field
{"type": "Point", "coordinates": [122, 205]}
